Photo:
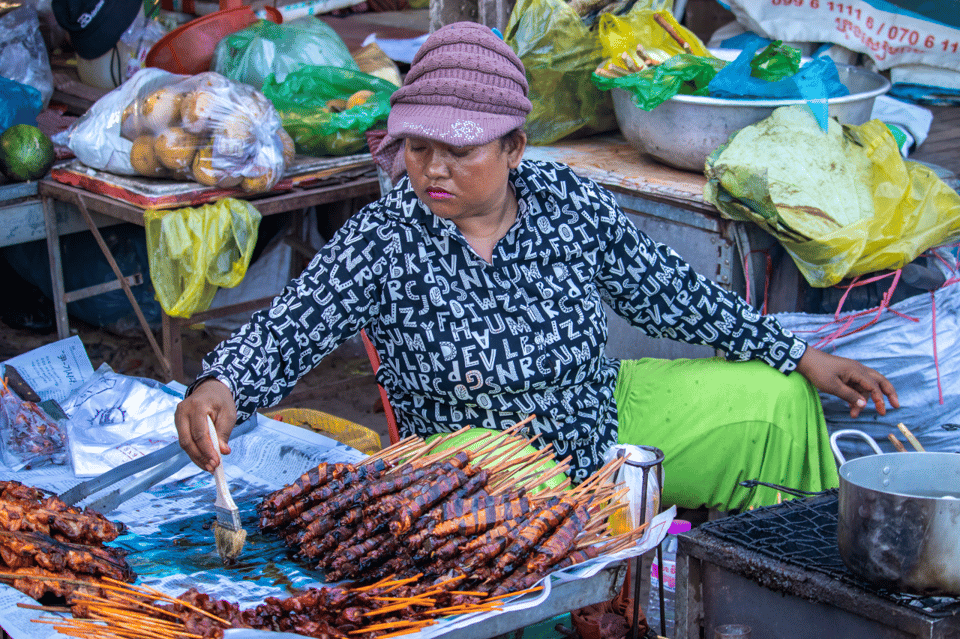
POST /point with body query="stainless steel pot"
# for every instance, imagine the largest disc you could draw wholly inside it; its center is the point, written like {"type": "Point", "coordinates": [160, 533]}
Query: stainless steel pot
{"type": "Point", "coordinates": [899, 518]}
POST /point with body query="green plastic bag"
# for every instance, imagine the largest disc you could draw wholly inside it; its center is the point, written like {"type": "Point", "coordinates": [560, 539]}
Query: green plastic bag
{"type": "Point", "coordinates": [842, 202]}
{"type": "Point", "coordinates": [685, 74]}
{"type": "Point", "coordinates": [301, 100]}
{"type": "Point", "coordinates": [252, 54]}
{"type": "Point", "coordinates": [775, 62]}
{"type": "Point", "coordinates": [694, 73]}
{"type": "Point", "coordinates": [194, 251]}
{"type": "Point", "coordinates": [560, 54]}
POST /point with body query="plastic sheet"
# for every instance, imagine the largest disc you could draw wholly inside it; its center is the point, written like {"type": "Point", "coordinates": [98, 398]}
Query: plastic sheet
{"type": "Point", "coordinates": [203, 128]}
{"type": "Point", "coordinates": [19, 104]}
{"type": "Point", "coordinates": [194, 251]}
{"type": "Point", "coordinates": [252, 54]}
{"type": "Point", "coordinates": [313, 101]}
{"type": "Point", "coordinates": [756, 74]}
{"type": "Point", "coordinates": [915, 343]}
{"type": "Point", "coordinates": [115, 418]}
{"type": "Point", "coordinates": [843, 203]}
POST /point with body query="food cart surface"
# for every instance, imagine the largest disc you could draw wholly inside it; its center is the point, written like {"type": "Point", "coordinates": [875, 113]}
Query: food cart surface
{"type": "Point", "coordinates": [171, 543]}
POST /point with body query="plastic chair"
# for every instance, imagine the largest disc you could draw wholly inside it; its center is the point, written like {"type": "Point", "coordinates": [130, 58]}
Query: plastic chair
{"type": "Point", "coordinates": [387, 409]}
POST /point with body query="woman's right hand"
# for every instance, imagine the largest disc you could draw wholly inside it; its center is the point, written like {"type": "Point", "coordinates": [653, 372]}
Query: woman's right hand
{"type": "Point", "coordinates": [210, 398]}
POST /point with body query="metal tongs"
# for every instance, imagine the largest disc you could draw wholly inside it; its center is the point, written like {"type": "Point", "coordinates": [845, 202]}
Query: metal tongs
{"type": "Point", "coordinates": [159, 465]}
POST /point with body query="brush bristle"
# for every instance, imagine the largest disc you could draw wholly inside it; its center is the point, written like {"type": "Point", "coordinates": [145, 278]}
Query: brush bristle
{"type": "Point", "coordinates": [229, 542]}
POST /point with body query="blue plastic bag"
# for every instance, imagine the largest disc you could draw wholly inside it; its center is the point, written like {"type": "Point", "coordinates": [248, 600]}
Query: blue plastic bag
{"type": "Point", "coordinates": [19, 104]}
{"type": "Point", "coordinates": [815, 82]}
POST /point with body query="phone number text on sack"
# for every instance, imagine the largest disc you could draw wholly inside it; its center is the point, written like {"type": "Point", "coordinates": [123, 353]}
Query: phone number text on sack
{"type": "Point", "coordinates": [874, 33]}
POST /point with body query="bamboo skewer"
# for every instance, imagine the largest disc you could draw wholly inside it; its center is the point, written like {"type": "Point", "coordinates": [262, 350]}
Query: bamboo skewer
{"type": "Point", "coordinates": [896, 443]}
{"type": "Point", "coordinates": [910, 438]}
{"type": "Point", "coordinates": [393, 449]}
{"type": "Point", "coordinates": [497, 454]}
{"type": "Point", "coordinates": [648, 60]}
{"type": "Point", "coordinates": [672, 32]}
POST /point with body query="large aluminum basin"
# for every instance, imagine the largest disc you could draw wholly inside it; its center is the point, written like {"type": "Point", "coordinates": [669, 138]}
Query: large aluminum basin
{"type": "Point", "coordinates": [685, 129]}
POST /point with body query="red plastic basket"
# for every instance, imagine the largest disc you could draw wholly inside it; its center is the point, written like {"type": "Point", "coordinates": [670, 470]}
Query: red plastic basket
{"type": "Point", "coordinates": [188, 49]}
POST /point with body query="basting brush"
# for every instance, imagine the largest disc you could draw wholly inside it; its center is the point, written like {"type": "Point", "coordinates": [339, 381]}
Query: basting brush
{"type": "Point", "coordinates": [228, 532]}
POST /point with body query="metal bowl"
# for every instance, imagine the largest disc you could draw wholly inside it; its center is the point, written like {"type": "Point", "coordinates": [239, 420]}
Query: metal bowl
{"type": "Point", "coordinates": [685, 129]}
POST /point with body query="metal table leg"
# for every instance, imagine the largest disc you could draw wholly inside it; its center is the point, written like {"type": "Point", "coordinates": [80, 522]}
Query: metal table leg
{"type": "Point", "coordinates": [56, 274]}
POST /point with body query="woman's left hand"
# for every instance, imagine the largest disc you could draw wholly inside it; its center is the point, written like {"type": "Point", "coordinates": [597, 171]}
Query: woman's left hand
{"type": "Point", "coordinates": [848, 379]}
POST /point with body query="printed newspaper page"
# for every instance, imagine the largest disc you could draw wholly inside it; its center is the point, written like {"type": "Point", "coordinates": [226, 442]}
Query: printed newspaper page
{"type": "Point", "coordinates": [54, 370]}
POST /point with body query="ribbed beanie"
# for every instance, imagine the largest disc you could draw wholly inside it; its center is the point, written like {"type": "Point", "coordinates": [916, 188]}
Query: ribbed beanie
{"type": "Point", "coordinates": [465, 87]}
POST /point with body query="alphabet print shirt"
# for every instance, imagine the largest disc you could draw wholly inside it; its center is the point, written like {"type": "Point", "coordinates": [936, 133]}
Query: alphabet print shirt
{"type": "Point", "coordinates": [467, 342]}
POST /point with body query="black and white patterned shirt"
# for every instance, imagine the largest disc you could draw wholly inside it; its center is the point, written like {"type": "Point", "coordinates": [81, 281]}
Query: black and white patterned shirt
{"type": "Point", "coordinates": [467, 342]}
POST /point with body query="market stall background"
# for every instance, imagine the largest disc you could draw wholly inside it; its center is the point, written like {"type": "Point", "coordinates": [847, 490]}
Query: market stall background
{"type": "Point", "coordinates": [344, 384]}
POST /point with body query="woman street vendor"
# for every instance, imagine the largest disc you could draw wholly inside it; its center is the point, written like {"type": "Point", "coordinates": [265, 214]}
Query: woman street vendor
{"type": "Point", "coordinates": [479, 278]}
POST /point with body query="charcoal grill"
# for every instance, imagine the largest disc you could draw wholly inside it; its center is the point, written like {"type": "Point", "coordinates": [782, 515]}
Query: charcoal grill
{"type": "Point", "coordinates": [778, 570]}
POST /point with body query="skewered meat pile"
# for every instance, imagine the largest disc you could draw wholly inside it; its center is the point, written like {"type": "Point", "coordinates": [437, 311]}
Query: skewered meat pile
{"type": "Point", "coordinates": [420, 535]}
{"type": "Point", "coordinates": [43, 541]}
{"type": "Point", "coordinates": [121, 611]}
{"type": "Point", "coordinates": [479, 516]}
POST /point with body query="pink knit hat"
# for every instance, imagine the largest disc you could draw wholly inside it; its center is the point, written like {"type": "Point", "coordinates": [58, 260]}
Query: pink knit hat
{"type": "Point", "coordinates": [466, 86]}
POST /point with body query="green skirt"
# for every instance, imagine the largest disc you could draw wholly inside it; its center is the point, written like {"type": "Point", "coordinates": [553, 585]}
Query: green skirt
{"type": "Point", "coordinates": [719, 423]}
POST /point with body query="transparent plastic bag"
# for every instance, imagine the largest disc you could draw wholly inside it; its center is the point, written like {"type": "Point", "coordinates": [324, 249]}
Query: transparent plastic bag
{"type": "Point", "coordinates": [684, 73]}
{"type": "Point", "coordinates": [195, 251]}
{"type": "Point", "coordinates": [316, 105]}
{"type": "Point", "coordinates": [138, 39]}
{"type": "Point", "coordinates": [23, 53]}
{"type": "Point", "coordinates": [622, 34]}
{"type": "Point", "coordinates": [252, 54]}
{"type": "Point", "coordinates": [842, 202]}
{"type": "Point", "coordinates": [643, 58]}
{"type": "Point", "coordinates": [203, 128]}
{"type": "Point", "coordinates": [29, 436]}
{"type": "Point", "coordinates": [632, 476]}
{"type": "Point", "coordinates": [115, 418]}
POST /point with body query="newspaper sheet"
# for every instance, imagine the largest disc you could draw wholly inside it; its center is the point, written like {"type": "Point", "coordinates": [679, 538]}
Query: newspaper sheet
{"type": "Point", "coordinates": [54, 370]}
{"type": "Point", "coordinates": [171, 543]}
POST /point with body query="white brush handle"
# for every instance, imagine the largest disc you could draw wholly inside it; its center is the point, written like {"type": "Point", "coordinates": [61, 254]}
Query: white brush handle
{"type": "Point", "coordinates": [224, 499]}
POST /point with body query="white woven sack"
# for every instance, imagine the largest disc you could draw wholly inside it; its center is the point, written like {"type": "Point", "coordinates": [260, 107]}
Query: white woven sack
{"type": "Point", "coordinates": [903, 350]}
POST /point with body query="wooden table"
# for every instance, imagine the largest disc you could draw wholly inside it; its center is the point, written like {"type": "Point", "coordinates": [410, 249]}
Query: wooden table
{"type": "Point", "coordinates": [328, 180]}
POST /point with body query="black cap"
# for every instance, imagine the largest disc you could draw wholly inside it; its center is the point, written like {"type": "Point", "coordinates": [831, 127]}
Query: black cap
{"type": "Point", "coordinates": [95, 26]}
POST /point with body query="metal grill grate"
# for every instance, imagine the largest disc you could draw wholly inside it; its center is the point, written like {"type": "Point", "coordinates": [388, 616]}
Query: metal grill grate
{"type": "Point", "coordinates": [803, 533]}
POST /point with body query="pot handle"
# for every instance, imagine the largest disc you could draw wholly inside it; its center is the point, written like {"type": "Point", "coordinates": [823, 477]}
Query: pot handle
{"type": "Point", "coordinates": [851, 431]}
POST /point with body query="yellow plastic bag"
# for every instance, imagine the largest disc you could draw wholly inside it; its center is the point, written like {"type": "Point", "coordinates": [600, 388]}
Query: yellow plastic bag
{"type": "Point", "coordinates": [842, 202]}
{"type": "Point", "coordinates": [560, 52]}
{"type": "Point", "coordinates": [622, 34]}
{"type": "Point", "coordinates": [195, 251]}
